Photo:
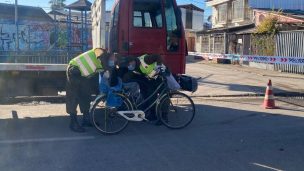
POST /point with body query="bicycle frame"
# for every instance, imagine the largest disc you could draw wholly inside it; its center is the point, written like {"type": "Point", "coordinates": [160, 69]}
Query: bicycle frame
{"type": "Point", "coordinates": [139, 115]}
{"type": "Point", "coordinates": [164, 91]}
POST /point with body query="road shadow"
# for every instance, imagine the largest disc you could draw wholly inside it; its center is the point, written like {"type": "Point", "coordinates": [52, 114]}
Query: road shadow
{"type": "Point", "coordinates": [194, 59]}
{"type": "Point", "coordinates": [245, 88]}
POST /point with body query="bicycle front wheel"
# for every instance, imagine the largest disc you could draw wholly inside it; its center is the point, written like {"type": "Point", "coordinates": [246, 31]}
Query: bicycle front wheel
{"type": "Point", "coordinates": [106, 119]}
{"type": "Point", "coordinates": [176, 110]}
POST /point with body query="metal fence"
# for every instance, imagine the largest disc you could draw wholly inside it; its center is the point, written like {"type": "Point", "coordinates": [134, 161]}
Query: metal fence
{"type": "Point", "coordinates": [284, 44]}
{"type": "Point", "coordinates": [290, 44]}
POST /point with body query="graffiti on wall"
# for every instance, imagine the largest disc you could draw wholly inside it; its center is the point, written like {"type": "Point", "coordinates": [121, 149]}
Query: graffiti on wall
{"type": "Point", "coordinates": [31, 37]}
{"type": "Point", "coordinates": [39, 37]}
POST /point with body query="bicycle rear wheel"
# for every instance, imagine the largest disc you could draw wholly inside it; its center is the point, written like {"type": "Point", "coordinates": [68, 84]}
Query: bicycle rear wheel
{"type": "Point", "coordinates": [176, 110]}
{"type": "Point", "coordinates": [106, 119]}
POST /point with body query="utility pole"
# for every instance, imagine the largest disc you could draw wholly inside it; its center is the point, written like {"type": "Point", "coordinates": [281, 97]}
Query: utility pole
{"type": "Point", "coordinates": [16, 24]}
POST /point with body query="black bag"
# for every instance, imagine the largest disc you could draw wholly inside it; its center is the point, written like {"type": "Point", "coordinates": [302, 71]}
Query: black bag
{"type": "Point", "coordinates": [187, 83]}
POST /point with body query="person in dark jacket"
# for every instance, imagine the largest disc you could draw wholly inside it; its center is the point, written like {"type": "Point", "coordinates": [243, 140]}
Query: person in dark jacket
{"type": "Point", "coordinates": [80, 72]}
{"type": "Point", "coordinates": [143, 70]}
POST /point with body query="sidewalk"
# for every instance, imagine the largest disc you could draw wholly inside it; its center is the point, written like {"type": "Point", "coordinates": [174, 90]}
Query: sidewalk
{"type": "Point", "coordinates": [234, 80]}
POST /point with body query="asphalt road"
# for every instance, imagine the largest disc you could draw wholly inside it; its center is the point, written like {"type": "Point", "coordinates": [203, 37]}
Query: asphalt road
{"type": "Point", "coordinates": [226, 134]}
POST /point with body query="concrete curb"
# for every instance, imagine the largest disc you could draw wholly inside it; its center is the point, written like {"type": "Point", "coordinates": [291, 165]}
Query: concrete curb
{"type": "Point", "coordinates": [289, 94]}
{"type": "Point", "coordinates": [61, 99]}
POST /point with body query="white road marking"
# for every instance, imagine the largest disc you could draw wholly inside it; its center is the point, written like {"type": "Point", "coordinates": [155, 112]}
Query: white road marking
{"type": "Point", "coordinates": [39, 140]}
{"type": "Point", "coordinates": [267, 167]}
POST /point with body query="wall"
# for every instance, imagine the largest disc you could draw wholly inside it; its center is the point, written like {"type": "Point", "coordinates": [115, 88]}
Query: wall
{"type": "Point", "coordinates": [31, 37]}
{"type": "Point", "coordinates": [41, 36]}
{"type": "Point", "coordinates": [248, 15]}
{"type": "Point", "coordinates": [198, 20]}
{"type": "Point", "coordinates": [183, 11]}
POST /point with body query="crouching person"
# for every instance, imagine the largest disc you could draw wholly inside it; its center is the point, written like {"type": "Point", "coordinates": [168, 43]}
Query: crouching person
{"type": "Point", "coordinates": [80, 71]}
{"type": "Point", "coordinates": [109, 81]}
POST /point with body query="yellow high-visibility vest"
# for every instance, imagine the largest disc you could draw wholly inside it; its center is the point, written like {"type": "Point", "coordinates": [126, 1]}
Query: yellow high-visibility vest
{"type": "Point", "coordinates": [145, 68]}
{"type": "Point", "coordinates": [87, 63]}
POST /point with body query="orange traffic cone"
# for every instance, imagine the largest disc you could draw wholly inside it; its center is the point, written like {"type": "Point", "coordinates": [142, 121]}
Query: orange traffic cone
{"type": "Point", "coordinates": [269, 98]}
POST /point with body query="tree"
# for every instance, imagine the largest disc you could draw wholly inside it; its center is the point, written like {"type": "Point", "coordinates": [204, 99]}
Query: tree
{"type": "Point", "coordinates": [269, 24]}
{"type": "Point", "coordinates": [57, 4]}
{"type": "Point", "coordinates": [263, 41]}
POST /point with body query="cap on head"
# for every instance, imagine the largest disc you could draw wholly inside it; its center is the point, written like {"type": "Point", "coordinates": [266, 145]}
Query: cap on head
{"type": "Point", "coordinates": [101, 53]}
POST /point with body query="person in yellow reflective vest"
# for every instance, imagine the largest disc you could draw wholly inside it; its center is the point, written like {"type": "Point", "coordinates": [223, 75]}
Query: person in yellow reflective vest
{"type": "Point", "coordinates": [80, 72]}
{"type": "Point", "coordinates": [141, 69]}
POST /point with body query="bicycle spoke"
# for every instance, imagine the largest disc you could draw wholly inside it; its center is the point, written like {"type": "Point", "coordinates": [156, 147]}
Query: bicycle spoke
{"type": "Point", "coordinates": [180, 110]}
{"type": "Point", "coordinates": [110, 122]}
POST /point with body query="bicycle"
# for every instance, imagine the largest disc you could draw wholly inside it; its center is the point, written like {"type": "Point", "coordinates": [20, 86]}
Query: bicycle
{"type": "Point", "coordinates": [170, 106]}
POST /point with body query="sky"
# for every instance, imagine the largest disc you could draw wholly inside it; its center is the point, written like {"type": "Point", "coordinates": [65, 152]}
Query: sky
{"type": "Point", "coordinates": [44, 4]}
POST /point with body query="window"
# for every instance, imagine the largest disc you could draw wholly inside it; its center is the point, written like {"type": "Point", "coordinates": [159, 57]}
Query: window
{"type": "Point", "coordinates": [238, 9]}
{"type": "Point", "coordinates": [170, 16]}
{"type": "Point", "coordinates": [114, 29]}
{"type": "Point", "coordinates": [189, 15]}
{"type": "Point", "coordinates": [222, 13]}
{"type": "Point", "coordinates": [137, 19]}
{"type": "Point", "coordinates": [172, 27]}
{"type": "Point", "coordinates": [115, 16]}
{"type": "Point", "coordinates": [147, 14]}
{"type": "Point", "coordinates": [147, 18]}
{"type": "Point", "coordinates": [159, 19]}
{"type": "Point", "coordinates": [107, 26]}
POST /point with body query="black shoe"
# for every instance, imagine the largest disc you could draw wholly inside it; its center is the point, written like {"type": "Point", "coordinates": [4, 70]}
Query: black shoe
{"type": "Point", "coordinates": [86, 124]}
{"type": "Point", "coordinates": [86, 121]}
{"type": "Point", "coordinates": [74, 125]}
{"type": "Point", "coordinates": [158, 122]}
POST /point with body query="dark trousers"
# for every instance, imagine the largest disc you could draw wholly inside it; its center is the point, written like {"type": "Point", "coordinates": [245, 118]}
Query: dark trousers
{"type": "Point", "coordinates": [147, 87]}
{"type": "Point", "coordinates": [78, 91]}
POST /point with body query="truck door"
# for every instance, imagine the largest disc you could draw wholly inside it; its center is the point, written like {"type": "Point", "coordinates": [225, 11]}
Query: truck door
{"type": "Point", "coordinates": [147, 32]}
{"type": "Point", "coordinates": [175, 40]}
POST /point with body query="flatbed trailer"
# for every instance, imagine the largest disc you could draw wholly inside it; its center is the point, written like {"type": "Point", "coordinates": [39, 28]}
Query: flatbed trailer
{"type": "Point", "coordinates": [28, 79]}
{"type": "Point", "coordinates": [137, 27]}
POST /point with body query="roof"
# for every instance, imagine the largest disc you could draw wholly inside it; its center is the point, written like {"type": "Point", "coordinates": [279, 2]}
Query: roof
{"type": "Point", "coordinates": [299, 14]}
{"type": "Point", "coordinates": [277, 4]}
{"type": "Point", "coordinates": [59, 12]}
{"type": "Point", "coordinates": [239, 29]}
{"type": "Point", "coordinates": [7, 11]}
{"type": "Point", "coordinates": [191, 7]}
{"type": "Point", "coordinates": [80, 5]}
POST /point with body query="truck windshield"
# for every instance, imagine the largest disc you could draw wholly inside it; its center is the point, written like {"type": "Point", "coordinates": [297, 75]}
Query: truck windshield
{"type": "Point", "coordinates": [172, 27]}
{"type": "Point", "coordinates": [147, 14]}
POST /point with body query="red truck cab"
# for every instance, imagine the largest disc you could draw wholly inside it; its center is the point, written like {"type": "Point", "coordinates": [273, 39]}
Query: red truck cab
{"type": "Point", "coordinates": [149, 26]}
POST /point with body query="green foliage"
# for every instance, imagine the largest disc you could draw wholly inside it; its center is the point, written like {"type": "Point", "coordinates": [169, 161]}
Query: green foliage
{"type": "Point", "coordinates": [269, 24]}
{"type": "Point", "coordinates": [263, 44]}
{"type": "Point", "coordinates": [57, 4]}
{"type": "Point", "coordinates": [263, 41]}
{"type": "Point", "coordinates": [61, 41]}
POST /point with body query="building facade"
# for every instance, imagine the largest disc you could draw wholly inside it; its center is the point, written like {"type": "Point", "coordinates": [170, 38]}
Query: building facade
{"type": "Point", "coordinates": [230, 13]}
{"type": "Point", "coordinates": [193, 21]}
{"type": "Point", "coordinates": [235, 21]}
